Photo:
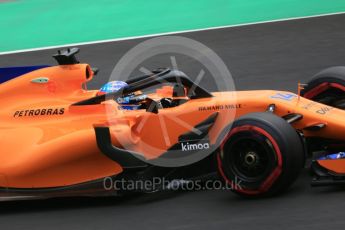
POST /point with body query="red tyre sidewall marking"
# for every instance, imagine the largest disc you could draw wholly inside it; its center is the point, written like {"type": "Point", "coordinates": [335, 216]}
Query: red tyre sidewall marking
{"type": "Point", "coordinates": [323, 87]}
{"type": "Point", "coordinates": [338, 86]}
{"type": "Point", "coordinates": [317, 90]}
{"type": "Point", "coordinates": [267, 184]}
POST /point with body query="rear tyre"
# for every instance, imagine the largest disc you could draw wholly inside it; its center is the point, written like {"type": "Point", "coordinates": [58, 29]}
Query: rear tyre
{"type": "Point", "coordinates": [262, 155]}
{"type": "Point", "coordinates": [327, 87]}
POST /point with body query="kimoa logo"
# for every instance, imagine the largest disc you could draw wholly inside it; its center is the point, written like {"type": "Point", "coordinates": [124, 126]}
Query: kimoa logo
{"type": "Point", "coordinates": [191, 147]}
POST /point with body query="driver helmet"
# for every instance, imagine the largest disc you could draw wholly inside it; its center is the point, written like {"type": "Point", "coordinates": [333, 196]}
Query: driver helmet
{"type": "Point", "coordinates": [129, 101]}
{"type": "Point", "coordinates": [112, 87]}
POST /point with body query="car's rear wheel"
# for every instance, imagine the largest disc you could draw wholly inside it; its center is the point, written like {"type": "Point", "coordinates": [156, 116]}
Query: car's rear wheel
{"type": "Point", "coordinates": [262, 155]}
{"type": "Point", "coordinates": [327, 87]}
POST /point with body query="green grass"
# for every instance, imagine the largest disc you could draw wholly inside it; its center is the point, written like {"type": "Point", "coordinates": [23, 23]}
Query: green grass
{"type": "Point", "coordinates": [37, 23]}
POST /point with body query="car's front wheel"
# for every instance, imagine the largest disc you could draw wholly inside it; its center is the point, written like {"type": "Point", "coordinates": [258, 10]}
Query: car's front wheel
{"type": "Point", "coordinates": [262, 155]}
{"type": "Point", "coordinates": [327, 87]}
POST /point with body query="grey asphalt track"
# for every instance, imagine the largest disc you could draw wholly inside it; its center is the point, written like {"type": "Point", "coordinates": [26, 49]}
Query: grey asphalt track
{"type": "Point", "coordinates": [275, 56]}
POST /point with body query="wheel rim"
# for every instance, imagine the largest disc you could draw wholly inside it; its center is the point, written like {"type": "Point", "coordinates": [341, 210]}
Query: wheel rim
{"type": "Point", "coordinates": [250, 156]}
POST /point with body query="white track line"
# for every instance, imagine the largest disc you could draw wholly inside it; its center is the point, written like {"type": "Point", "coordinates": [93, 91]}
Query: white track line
{"type": "Point", "coordinates": [167, 33]}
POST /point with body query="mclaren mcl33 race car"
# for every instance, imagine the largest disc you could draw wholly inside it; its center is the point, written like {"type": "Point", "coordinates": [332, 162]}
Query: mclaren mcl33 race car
{"type": "Point", "coordinates": [59, 139]}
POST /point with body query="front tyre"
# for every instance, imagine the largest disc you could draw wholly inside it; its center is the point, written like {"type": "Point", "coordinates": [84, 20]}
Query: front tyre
{"type": "Point", "coordinates": [262, 155]}
{"type": "Point", "coordinates": [327, 87]}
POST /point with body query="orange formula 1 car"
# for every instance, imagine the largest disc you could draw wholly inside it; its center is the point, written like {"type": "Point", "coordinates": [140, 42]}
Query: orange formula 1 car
{"type": "Point", "coordinates": [59, 139]}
